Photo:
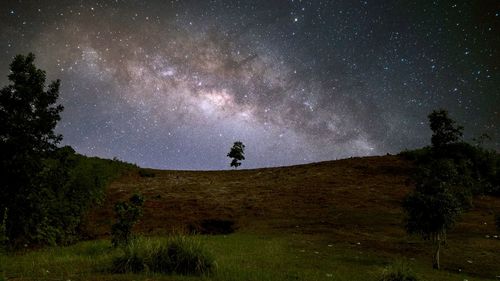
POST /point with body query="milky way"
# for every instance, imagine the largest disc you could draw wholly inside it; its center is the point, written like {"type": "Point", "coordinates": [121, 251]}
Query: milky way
{"type": "Point", "coordinates": [172, 84]}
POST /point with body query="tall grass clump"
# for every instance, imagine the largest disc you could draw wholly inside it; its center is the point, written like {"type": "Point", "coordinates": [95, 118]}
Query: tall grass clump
{"type": "Point", "coordinates": [399, 271]}
{"type": "Point", "coordinates": [178, 254]}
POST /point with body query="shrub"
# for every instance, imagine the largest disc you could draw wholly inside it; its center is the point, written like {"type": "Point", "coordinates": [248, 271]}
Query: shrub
{"type": "Point", "coordinates": [180, 254]}
{"type": "Point", "coordinates": [134, 258]}
{"type": "Point", "coordinates": [127, 214]}
{"type": "Point", "coordinates": [398, 271]}
{"type": "Point", "coordinates": [187, 256]}
{"type": "Point", "coordinates": [479, 168]}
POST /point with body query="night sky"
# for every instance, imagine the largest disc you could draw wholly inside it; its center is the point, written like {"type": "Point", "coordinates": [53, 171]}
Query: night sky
{"type": "Point", "coordinates": [172, 84]}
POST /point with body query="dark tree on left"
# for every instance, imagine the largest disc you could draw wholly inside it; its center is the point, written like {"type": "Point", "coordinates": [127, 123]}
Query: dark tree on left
{"type": "Point", "coordinates": [28, 116]}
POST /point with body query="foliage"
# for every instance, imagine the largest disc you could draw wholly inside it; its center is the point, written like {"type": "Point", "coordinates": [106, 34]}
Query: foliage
{"type": "Point", "coordinates": [179, 254]}
{"type": "Point", "coordinates": [478, 169]}
{"type": "Point", "coordinates": [445, 130]}
{"type": "Point", "coordinates": [28, 114]}
{"type": "Point", "coordinates": [444, 183]}
{"type": "Point", "coordinates": [398, 271]}
{"type": "Point", "coordinates": [418, 155]}
{"type": "Point", "coordinates": [70, 185]}
{"type": "Point", "coordinates": [187, 256]}
{"type": "Point", "coordinates": [431, 210]}
{"type": "Point", "coordinates": [436, 203]}
{"type": "Point", "coordinates": [127, 214]}
{"type": "Point", "coordinates": [237, 153]}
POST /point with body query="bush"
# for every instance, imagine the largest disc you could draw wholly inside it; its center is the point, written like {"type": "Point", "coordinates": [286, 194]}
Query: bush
{"type": "Point", "coordinates": [179, 254]}
{"type": "Point", "coordinates": [398, 271]}
{"type": "Point", "coordinates": [127, 214]}
{"type": "Point", "coordinates": [479, 168]}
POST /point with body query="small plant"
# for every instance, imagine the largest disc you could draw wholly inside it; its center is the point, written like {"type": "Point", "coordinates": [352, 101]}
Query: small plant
{"type": "Point", "coordinates": [180, 254]}
{"type": "Point", "coordinates": [134, 258]}
{"type": "Point", "coordinates": [399, 271]}
{"type": "Point", "coordinates": [127, 214]}
{"type": "Point", "coordinates": [187, 256]}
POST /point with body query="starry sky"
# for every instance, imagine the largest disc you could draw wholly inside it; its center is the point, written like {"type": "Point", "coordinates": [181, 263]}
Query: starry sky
{"type": "Point", "coordinates": [172, 84]}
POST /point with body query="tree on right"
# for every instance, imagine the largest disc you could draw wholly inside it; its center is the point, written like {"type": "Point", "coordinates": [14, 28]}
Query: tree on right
{"type": "Point", "coordinates": [447, 175]}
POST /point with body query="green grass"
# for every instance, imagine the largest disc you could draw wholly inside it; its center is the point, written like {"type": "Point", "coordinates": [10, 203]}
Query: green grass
{"type": "Point", "coordinates": [238, 257]}
{"type": "Point", "coordinates": [176, 254]}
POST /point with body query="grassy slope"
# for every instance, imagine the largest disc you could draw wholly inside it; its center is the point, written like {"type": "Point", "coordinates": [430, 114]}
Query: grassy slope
{"type": "Point", "coordinates": [338, 220]}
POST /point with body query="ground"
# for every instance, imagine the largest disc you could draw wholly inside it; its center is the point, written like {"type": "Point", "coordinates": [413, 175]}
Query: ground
{"type": "Point", "coordinates": [337, 220]}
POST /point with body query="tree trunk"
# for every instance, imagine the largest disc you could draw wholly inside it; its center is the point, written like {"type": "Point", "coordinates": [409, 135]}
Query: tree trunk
{"type": "Point", "coordinates": [435, 261]}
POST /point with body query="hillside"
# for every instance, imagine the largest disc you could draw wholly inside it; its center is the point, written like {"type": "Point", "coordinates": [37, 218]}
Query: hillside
{"type": "Point", "coordinates": [353, 203]}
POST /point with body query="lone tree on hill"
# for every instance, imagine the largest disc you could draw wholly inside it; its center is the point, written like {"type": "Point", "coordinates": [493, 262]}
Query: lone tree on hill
{"type": "Point", "coordinates": [445, 130]}
{"type": "Point", "coordinates": [237, 153]}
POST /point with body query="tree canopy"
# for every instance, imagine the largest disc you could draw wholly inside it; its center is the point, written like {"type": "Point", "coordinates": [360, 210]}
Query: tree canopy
{"type": "Point", "coordinates": [28, 114]}
{"type": "Point", "coordinates": [445, 130]}
{"type": "Point", "coordinates": [237, 152]}
{"type": "Point", "coordinates": [433, 207]}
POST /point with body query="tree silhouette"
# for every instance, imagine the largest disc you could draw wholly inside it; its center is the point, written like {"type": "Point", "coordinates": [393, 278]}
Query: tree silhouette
{"type": "Point", "coordinates": [28, 116]}
{"type": "Point", "coordinates": [433, 207]}
{"type": "Point", "coordinates": [237, 153]}
{"type": "Point", "coordinates": [444, 129]}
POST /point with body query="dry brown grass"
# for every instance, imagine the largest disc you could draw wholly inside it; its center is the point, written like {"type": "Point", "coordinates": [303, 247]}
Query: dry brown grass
{"type": "Point", "coordinates": [349, 201]}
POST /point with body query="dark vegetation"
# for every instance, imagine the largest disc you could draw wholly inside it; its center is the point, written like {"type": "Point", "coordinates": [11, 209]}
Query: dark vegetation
{"type": "Point", "coordinates": [178, 254]}
{"type": "Point", "coordinates": [237, 153]}
{"type": "Point", "coordinates": [399, 271]}
{"type": "Point", "coordinates": [127, 215]}
{"type": "Point", "coordinates": [448, 174]}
